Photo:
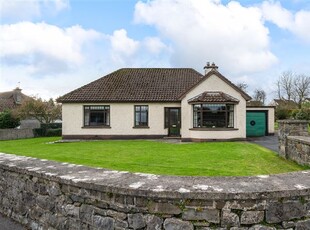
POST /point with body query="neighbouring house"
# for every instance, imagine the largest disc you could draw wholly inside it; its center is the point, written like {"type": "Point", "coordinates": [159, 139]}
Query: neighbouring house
{"type": "Point", "coordinates": [10, 100]}
{"type": "Point", "coordinates": [155, 103]}
{"type": "Point", "coordinates": [283, 103]}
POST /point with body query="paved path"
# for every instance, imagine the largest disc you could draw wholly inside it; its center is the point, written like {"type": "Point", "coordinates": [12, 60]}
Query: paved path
{"type": "Point", "coordinates": [8, 224]}
{"type": "Point", "coordinates": [269, 142]}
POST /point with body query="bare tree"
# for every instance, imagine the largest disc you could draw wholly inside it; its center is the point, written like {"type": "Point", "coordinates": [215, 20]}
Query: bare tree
{"type": "Point", "coordinates": [243, 86]}
{"type": "Point", "coordinates": [293, 87]}
{"type": "Point", "coordinates": [259, 96]}
{"type": "Point", "coordinates": [301, 88]}
{"type": "Point", "coordinates": [285, 85]}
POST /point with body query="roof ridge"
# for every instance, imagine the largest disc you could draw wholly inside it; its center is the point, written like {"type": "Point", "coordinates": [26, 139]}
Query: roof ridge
{"type": "Point", "coordinates": [218, 74]}
{"type": "Point", "coordinates": [136, 84]}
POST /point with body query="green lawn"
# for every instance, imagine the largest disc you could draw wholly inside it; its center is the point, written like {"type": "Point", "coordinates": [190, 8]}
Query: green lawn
{"type": "Point", "coordinates": [191, 159]}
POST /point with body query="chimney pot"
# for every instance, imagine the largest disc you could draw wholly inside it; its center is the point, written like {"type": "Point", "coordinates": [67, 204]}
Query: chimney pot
{"type": "Point", "coordinates": [209, 67]}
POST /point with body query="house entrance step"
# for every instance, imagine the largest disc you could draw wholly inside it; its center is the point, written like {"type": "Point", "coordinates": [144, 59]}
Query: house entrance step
{"type": "Point", "coordinates": [177, 138]}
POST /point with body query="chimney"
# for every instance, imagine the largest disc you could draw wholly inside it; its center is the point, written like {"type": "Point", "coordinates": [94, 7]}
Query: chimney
{"type": "Point", "coordinates": [210, 67]}
{"type": "Point", "coordinates": [17, 95]}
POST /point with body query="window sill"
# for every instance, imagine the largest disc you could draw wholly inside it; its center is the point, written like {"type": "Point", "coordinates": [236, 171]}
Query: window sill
{"type": "Point", "coordinates": [141, 127]}
{"type": "Point", "coordinates": [213, 129]}
{"type": "Point", "coordinates": [97, 127]}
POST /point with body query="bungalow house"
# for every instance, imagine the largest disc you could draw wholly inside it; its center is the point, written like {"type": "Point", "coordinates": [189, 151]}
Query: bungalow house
{"type": "Point", "coordinates": [155, 103]}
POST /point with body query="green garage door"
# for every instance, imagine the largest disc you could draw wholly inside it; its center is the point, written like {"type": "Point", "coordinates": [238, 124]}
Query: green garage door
{"type": "Point", "coordinates": [255, 124]}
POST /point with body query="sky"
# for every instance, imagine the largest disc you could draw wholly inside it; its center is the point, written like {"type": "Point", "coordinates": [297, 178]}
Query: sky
{"type": "Point", "coordinates": [51, 47]}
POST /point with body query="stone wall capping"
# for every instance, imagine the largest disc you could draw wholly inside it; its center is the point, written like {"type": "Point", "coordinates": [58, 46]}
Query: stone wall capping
{"type": "Point", "coordinates": [302, 139]}
{"type": "Point", "coordinates": [159, 186]}
{"type": "Point", "coordinates": [291, 121]}
{"type": "Point", "coordinates": [42, 194]}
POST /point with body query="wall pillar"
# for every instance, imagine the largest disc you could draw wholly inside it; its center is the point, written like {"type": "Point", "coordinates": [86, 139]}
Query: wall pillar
{"type": "Point", "coordinates": [290, 128]}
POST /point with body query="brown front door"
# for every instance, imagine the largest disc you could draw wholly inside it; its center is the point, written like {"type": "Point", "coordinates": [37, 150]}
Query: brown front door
{"type": "Point", "coordinates": [173, 119]}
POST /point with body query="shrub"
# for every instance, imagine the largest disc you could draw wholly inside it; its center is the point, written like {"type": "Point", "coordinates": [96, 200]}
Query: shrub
{"type": "Point", "coordinates": [303, 114]}
{"type": "Point", "coordinates": [282, 113]}
{"type": "Point", "coordinates": [39, 132]}
{"type": "Point", "coordinates": [53, 133]}
{"type": "Point", "coordinates": [51, 126]}
{"type": "Point", "coordinates": [48, 130]}
{"type": "Point", "coordinates": [8, 121]}
{"type": "Point", "coordinates": [293, 113]}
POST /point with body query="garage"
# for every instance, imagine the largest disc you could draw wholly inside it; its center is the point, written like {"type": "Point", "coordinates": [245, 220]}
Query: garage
{"type": "Point", "coordinates": [255, 124]}
{"type": "Point", "coordinates": [259, 121]}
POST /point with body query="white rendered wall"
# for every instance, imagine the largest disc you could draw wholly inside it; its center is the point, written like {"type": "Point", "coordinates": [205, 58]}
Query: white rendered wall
{"type": "Point", "coordinates": [214, 83]}
{"type": "Point", "coordinates": [121, 119]}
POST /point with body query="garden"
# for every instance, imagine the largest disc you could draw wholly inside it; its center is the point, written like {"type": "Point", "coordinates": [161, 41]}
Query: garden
{"type": "Point", "coordinates": [157, 157]}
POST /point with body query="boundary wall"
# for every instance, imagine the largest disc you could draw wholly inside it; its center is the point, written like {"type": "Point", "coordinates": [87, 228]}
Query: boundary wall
{"type": "Point", "coordinates": [43, 194]}
{"type": "Point", "coordinates": [294, 141]}
{"type": "Point", "coordinates": [13, 134]}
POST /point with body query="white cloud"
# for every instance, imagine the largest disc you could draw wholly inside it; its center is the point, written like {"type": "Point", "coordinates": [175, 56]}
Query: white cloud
{"type": "Point", "coordinates": [275, 13]}
{"type": "Point", "coordinates": [50, 61]}
{"type": "Point", "coordinates": [297, 23]}
{"type": "Point", "coordinates": [22, 9]}
{"type": "Point", "coordinates": [231, 35]}
{"type": "Point", "coordinates": [302, 25]}
{"type": "Point", "coordinates": [60, 4]}
{"type": "Point", "coordinates": [43, 48]}
{"type": "Point", "coordinates": [154, 45]}
{"type": "Point", "coordinates": [122, 44]}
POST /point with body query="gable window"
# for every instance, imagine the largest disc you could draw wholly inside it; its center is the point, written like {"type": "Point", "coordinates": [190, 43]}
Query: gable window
{"type": "Point", "coordinates": [213, 116]}
{"type": "Point", "coordinates": [141, 115]}
{"type": "Point", "coordinates": [97, 115]}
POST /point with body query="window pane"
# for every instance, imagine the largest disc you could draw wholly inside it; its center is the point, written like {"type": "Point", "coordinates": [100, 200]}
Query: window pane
{"type": "Point", "coordinates": [144, 108]}
{"type": "Point", "coordinates": [143, 119]}
{"type": "Point", "coordinates": [197, 119]}
{"type": "Point", "coordinates": [96, 115]}
{"type": "Point", "coordinates": [137, 119]}
{"type": "Point", "coordinates": [230, 107]}
{"type": "Point", "coordinates": [230, 122]}
{"type": "Point", "coordinates": [86, 117]}
{"type": "Point", "coordinates": [141, 115]}
{"type": "Point", "coordinates": [213, 116]}
{"type": "Point", "coordinates": [213, 119]}
{"type": "Point", "coordinates": [196, 107]}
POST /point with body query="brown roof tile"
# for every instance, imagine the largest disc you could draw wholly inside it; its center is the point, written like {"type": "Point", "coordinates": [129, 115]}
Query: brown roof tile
{"type": "Point", "coordinates": [214, 97]}
{"type": "Point", "coordinates": [10, 100]}
{"type": "Point", "coordinates": [136, 85]}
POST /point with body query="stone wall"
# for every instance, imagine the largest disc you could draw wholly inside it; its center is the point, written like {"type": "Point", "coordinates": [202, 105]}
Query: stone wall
{"type": "Point", "coordinates": [30, 124]}
{"type": "Point", "coordinates": [44, 194]}
{"type": "Point", "coordinates": [12, 134]}
{"type": "Point", "coordinates": [294, 141]}
{"type": "Point", "coordinates": [298, 149]}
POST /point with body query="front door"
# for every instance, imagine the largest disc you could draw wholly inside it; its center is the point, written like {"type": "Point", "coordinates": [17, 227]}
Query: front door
{"type": "Point", "coordinates": [173, 118]}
